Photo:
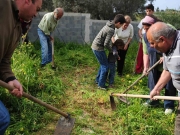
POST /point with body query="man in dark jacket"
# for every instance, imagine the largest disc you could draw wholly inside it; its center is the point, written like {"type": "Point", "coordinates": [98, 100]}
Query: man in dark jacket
{"type": "Point", "coordinates": [11, 11]}
{"type": "Point", "coordinates": [101, 41]}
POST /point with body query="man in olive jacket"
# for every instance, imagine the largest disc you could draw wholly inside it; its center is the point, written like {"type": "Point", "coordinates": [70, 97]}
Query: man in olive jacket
{"type": "Point", "coordinates": [11, 12]}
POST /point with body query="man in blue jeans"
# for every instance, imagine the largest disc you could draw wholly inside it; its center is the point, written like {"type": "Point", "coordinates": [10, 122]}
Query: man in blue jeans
{"type": "Point", "coordinates": [101, 41]}
{"type": "Point", "coordinates": [45, 27]}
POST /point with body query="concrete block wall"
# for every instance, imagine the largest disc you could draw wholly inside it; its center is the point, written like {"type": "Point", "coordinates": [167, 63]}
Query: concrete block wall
{"type": "Point", "coordinates": [74, 27]}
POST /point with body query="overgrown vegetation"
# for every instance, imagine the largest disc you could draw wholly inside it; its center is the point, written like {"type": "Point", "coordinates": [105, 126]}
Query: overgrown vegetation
{"type": "Point", "coordinates": [71, 88]}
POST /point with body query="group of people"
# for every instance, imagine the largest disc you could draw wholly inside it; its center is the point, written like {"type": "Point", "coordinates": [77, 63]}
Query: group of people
{"type": "Point", "coordinates": [159, 40]}
{"type": "Point", "coordinates": [118, 32]}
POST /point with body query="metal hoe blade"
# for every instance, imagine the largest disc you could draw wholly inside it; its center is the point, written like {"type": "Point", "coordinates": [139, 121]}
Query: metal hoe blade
{"type": "Point", "coordinates": [64, 126]}
{"type": "Point", "coordinates": [112, 102]}
{"type": "Point", "coordinates": [124, 100]}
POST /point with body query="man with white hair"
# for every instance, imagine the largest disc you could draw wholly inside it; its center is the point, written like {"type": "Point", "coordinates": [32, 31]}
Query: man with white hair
{"type": "Point", "coordinates": [165, 39]}
{"type": "Point", "coordinates": [45, 27]}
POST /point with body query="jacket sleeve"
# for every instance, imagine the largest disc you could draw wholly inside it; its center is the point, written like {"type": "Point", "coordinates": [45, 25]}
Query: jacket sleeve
{"type": "Point", "coordinates": [107, 42]}
{"type": "Point", "coordinates": [6, 73]}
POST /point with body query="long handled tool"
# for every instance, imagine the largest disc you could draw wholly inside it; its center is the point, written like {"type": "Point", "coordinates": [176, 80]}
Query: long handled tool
{"type": "Point", "coordinates": [65, 124]}
{"type": "Point", "coordinates": [113, 105]}
{"type": "Point", "coordinates": [52, 42]}
{"type": "Point", "coordinates": [147, 96]}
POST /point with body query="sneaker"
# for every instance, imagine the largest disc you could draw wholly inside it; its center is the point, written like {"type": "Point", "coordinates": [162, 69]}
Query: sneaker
{"type": "Point", "coordinates": [102, 88]}
{"type": "Point", "coordinates": [149, 103]}
{"type": "Point", "coordinates": [168, 111]}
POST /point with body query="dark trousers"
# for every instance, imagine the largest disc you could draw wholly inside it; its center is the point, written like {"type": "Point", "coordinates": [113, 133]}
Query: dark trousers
{"type": "Point", "coordinates": [177, 122]}
{"type": "Point", "coordinates": [120, 63]}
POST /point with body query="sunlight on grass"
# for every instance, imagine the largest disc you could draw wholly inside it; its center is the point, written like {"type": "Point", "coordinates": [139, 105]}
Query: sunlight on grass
{"type": "Point", "coordinates": [72, 89]}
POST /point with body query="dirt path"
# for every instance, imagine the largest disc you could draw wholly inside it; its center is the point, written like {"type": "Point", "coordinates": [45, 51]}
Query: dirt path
{"type": "Point", "coordinates": [88, 105]}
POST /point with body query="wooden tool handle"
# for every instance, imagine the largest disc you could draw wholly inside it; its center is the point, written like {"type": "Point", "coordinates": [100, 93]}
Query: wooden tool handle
{"type": "Point", "coordinates": [52, 42]}
{"type": "Point", "coordinates": [146, 96]}
{"type": "Point", "coordinates": [36, 100]}
{"type": "Point", "coordinates": [142, 76]}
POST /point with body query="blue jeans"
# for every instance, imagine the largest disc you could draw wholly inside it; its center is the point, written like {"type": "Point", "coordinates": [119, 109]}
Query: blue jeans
{"type": "Point", "coordinates": [103, 70]}
{"type": "Point", "coordinates": [4, 118]}
{"type": "Point", "coordinates": [46, 47]}
{"type": "Point", "coordinates": [112, 70]}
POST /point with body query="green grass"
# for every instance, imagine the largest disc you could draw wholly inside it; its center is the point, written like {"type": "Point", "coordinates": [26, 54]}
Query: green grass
{"type": "Point", "coordinates": [71, 88]}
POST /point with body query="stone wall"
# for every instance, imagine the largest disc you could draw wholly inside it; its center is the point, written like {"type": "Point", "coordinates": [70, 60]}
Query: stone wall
{"type": "Point", "coordinates": [74, 27]}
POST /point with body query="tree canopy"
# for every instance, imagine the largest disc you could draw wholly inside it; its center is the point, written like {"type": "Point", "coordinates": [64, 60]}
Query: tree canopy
{"type": "Point", "coordinates": [99, 9]}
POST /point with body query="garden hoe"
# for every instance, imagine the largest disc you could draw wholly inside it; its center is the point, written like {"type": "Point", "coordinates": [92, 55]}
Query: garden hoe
{"type": "Point", "coordinates": [113, 105]}
{"type": "Point", "coordinates": [52, 42]}
{"type": "Point", "coordinates": [64, 125]}
{"type": "Point", "coordinates": [148, 96]}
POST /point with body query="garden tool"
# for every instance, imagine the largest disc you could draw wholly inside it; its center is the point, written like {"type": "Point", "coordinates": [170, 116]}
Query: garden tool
{"type": "Point", "coordinates": [113, 106]}
{"type": "Point", "coordinates": [52, 42]}
{"type": "Point", "coordinates": [147, 96]}
{"type": "Point", "coordinates": [64, 125]}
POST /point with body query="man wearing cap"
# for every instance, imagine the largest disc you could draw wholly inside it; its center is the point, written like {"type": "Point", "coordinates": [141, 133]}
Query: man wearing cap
{"type": "Point", "coordinates": [150, 57]}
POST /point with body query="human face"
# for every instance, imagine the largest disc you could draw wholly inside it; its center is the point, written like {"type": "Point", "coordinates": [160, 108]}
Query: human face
{"type": "Point", "coordinates": [29, 9]}
{"type": "Point", "coordinates": [160, 45]}
{"type": "Point", "coordinates": [149, 12]}
{"type": "Point", "coordinates": [58, 15]}
{"type": "Point", "coordinates": [118, 25]}
{"type": "Point", "coordinates": [146, 27]}
{"type": "Point", "coordinates": [125, 25]}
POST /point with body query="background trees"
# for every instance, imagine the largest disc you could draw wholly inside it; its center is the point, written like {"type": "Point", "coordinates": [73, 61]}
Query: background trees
{"type": "Point", "coordinates": [106, 9]}
{"type": "Point", "coordinates": [99, 9]}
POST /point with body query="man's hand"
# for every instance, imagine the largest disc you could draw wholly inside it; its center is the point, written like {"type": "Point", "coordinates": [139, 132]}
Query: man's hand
{"type": "Point", "coordinates": [51, 38]}
{"type": "Point", "coordinates": [18, 90]}
{"type": "Point", "coordinates": [145, 71]}
{"type": "Point", "coordinates": [161, 60]}
{"type": "Point", "coordinates": [126, 46]}
{"type": "Point", "coordinates": [154, 93]}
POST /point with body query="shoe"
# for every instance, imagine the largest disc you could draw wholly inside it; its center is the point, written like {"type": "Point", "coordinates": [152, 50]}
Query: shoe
{"type": "Point", "coordinates": [120, 74]}
{"type": "Point", "coordinates": [43, 65]}
{"type": "Point", "coordinates": [54, 68]}
{"type": "Point", "coordinates": [168, 111]}
{"type": "Point", "coordinates": [149, 103]}
{"type": "Point", "coordinates": [102, 88]}
{"type": "Point", "coordinates": [111, 86]}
